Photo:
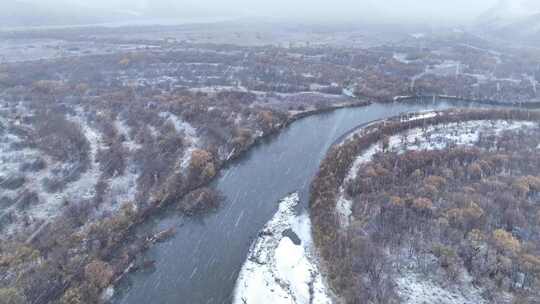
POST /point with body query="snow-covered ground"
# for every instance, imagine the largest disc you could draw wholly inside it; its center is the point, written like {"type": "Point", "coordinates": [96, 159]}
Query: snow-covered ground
{"type": "Point", "coordinates": [449, 68]}
{"type": "Point", "coordinates": [445, 68]}
{"type": "Point", "coordinates": [10, 162]}
{"type": "Point", "coordinates": [123, 188]}
{"type": "Point", "coordinates": [412, 286]}
{"type": "Point", "coordinates": [191, 137]}
{"type": "Point", "coordinates": [432, 137]}
{"type": "Point", "coordinates": [48, 204]}
{"type": "Point", "coordinates": [217, 89]}
{"type": "Point", "coordinates": [84, 187]}
{"type": "Point", "coordinates": [439, 137]}
{"type": "Point", "coordinates": [402, 57]}
{"type": "Point", "coordinates": [124, 130]}
{"type": "Point", "coordinates": [277, 269]}
{"type": "Point", "coordinates": [415, 288]}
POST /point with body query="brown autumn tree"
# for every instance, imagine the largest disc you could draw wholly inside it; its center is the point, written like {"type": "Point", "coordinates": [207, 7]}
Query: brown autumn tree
{"type": "Point", "coordinates": [99, 273]}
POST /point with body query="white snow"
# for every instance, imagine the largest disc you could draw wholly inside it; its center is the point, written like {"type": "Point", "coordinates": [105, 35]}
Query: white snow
{"type": "Point", "coordinates": [402, 57]}
{"type": "Point", "coordinates": [349, 92]}
{"type": "Point", "coordinates": [344, 209]}
{"type": "Point", "coordinates": [191, 137]}
{"type": "Point", "coordinates": [279, 271]}
{"type": "Point", "coordinates": [123, 129]}
{"type": "Point", "coordinates": [180, 125]}
{"type": "Point", "coordinates": [402, 97]}
{"type": "Point", "coordinates": [438, 137]}
{"type": "Point", "coordinates": [217, 89]}
{"type": "Point", "coordinates": [123, 188]}
{"type": "Point", "coordinates": [84, 187]}
{"type": "Point", "coordinates": [76, 191]}
{"type": "Point", "coordinates": [418, 289]}
{"type": "Point", "coordinates": [107, 294]}
{"type": "Point", "coordinates": [429, 138]}
{"type": "Point", "coordinates": [411, 286]}
{"type": "Point", "coordinates": [421, 115]}
{"type": "Point", "coordinates": [416, 77]}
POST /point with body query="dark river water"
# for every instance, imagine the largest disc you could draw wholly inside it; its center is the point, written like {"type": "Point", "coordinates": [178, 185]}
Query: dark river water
{"type": "Point", "coordinates": [200, 264]}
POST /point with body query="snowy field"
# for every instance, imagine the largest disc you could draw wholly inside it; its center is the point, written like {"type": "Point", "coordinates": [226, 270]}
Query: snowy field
{"type": "Point", "coordinates": [281, 266]}
{"type": "Point", "coordinates": [27, 204]}
{"type": "Point", "coordinates": [46, 204]}
{"type": "Point", "coordinates": [415, 288]}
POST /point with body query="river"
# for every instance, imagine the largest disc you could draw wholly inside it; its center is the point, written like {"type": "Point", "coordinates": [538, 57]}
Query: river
{"type": "Point", "coordinates": [200, 264]}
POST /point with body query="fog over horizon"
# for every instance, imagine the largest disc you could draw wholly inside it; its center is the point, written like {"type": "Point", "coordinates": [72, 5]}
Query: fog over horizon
{"type": "Point", "coordinates": [386, 11]}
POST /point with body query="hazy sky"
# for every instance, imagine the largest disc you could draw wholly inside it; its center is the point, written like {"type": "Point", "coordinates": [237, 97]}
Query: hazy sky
{"type": "Point", "coordinates": [334, 10]}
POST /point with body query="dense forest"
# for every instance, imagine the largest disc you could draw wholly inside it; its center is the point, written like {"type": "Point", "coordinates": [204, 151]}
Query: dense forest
{"type": "Point", "coordinates": [464, 217]}
{"type": "Point", "coordinates": [83, 162]}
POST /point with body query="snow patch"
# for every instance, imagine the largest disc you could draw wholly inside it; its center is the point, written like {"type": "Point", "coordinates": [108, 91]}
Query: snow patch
{"type": "Point", "coordinates": [124, 130]}
{"type": "Point", "coordinates": [217, 89]}
{"type": "Point", "coordinates": [344, 209]}
{"type": "Point", "coordinates": [402, 97]}
{"type": "Point", "coordinates": [349, 92]}
{"type": "Point", "coordinates": [180, 125]}
{"type": "Point", "coordinates": [191, 137]}
{"type": "Point", "coordinates": [432, 137]}
{"type": "Point", "coordinates": [416, 289]}
{"type": "Point", "coordinates": [84, 187]}
{"type": "Point", "coordinates": [402, 58]}
{"type": "Point", "coordinates": [279, 271]}
{"type": "Point", "coordinates": [435, 137]}
{"type": "Point", "coordinates": [421, 115]}
{"type": "Point", "coordinates": [49, 204]}
{"type": "Point", "coordinates": [123, 188]}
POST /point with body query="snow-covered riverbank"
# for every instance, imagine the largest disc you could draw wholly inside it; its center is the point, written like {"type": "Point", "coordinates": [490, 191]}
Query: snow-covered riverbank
{"type": "Point", "coordinates": [487, 133]}
{"type": "Point", "coordinates": [432, 137]}
{"type": "Point", "coordinates": [281, 266]}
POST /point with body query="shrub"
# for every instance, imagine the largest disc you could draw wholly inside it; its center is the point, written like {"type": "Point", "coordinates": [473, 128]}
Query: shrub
{"type": "Point", "coordinates": [201, 200]}
{"type": "Point", "coordinates": [99, 273]}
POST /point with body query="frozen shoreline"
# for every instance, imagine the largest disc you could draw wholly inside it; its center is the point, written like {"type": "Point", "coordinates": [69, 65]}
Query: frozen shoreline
{"type": "Point", "coordinates": [281, 266]}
